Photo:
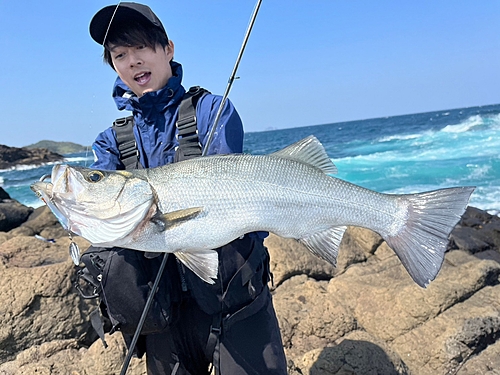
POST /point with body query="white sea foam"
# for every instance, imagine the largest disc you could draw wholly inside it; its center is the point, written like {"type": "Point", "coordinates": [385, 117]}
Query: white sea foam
{"type": "Point", "coordinates": [1, 181]}
{"type": "Point", "coordinates": [465, 126]}
{"type": "Point", "coordinates": [26, 167]}
{"type": "Point", "coordinates": [400, 137]}
{"type": "Point", "coordinates": [478, 171]}
{"type": "Point", "coordinates": [77, 159]}
{"type": "Point", "coordinates": [486, 198]}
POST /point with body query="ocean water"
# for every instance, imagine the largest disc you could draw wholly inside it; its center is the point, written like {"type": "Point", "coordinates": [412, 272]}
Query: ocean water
{"type": "Point", "coordinates": [399, 154]}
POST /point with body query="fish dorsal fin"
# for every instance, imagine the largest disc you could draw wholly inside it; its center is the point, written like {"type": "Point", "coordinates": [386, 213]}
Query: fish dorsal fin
{"type": "Point", "coordinates": [204, 263]}
{"type": "Point", "coordinates": [171, 219]}
{"type": "Point", "coordinates": [325, 244]}
{"type": "Point", "coordinates": [310, 151]}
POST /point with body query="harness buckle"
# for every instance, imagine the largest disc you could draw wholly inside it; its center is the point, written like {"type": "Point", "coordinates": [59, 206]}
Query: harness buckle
{"type": "Point", "coordinates": [85, 275]}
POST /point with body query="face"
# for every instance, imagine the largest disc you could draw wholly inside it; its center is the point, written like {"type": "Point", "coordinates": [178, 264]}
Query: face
{"type": "Point", "coordinates": [142, 68]}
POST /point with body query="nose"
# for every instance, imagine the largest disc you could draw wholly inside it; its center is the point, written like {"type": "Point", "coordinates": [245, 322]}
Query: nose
{"type": "Point", "coordinates": [134, 59]}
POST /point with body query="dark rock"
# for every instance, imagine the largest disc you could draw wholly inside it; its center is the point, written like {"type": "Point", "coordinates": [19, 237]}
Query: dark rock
{"type": "Point", "coordinates": [474, 217]}
{"type": "Point", "coordinates": [12, 214]}
{"type": "Point", "coordinates": [3, 194]}
{"type": "Point", "coordinates": [477, 231]}
{"type": "Point", "coordinates": [478, 333]}
{"type": "Point", "coordinates": [11, 156]}
{"type": "Point", "coordinates": [40, 219]}
{"type": "Point", "coordinates": [43, 222]}
{"type": "Point", "coordinates": [357, 353]}
{"type": "Point", "coordinates": [466, 238]}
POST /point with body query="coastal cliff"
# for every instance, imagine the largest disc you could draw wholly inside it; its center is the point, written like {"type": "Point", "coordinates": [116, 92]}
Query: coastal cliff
{"type": "Point", "coordinates": [366, 316]}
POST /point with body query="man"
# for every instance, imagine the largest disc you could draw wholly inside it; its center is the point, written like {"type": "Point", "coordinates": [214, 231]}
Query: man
{"type": "Point", "coordinates": [230, 324]}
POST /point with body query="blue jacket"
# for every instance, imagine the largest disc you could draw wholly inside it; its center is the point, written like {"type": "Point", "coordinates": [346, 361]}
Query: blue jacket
{"type": "Point", "coordinates": [155, 114]}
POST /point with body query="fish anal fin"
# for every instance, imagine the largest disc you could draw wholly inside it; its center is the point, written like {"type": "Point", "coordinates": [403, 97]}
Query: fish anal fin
{"type": "Point", "coordinates": [325, 244]}
{"type": "Point", "coordinates": [310, 151]}
{"type": "Point", "coordinates": [171, 219]}
{"type": "Point", "coordinates": [204, 263]}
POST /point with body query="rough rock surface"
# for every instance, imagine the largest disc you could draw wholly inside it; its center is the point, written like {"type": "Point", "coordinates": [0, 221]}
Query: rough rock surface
{"type": "Point", "coordinates": [12, 213]}
{"type": "Point", "coordinates": [366, 316]}
{"type": "Point", "coordinates": [11, 156]}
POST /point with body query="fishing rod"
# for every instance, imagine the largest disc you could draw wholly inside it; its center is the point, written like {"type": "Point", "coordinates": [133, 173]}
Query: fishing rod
{"type": "Point", "coordinates": [232, 77]}
{"type": "Point", "coordinates": [145, 312]}
{"type": "Point", "coordinates": [149, 301]}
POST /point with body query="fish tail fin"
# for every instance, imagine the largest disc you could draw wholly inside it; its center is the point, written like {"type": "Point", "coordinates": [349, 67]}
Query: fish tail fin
{"type": "Point", "coordinates": [422, 242]}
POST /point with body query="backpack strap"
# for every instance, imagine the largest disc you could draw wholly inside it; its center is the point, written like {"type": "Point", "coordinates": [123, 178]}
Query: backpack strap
{"type": "Point", "coordinates": [127, 145]}
{"type": "Point", "coordinates": [187, 130]}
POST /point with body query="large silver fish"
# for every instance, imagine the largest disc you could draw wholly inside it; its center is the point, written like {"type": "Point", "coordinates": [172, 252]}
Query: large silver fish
{"type": "Point", "coordinates": [195, 206]}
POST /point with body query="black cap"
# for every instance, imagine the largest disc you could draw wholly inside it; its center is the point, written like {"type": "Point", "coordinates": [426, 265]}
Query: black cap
{"type": "Point", "coordinates": [122, 12]}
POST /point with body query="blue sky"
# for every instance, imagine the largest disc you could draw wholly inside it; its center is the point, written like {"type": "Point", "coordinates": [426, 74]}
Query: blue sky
{"type": "Point", "coordinates": [307, 62]}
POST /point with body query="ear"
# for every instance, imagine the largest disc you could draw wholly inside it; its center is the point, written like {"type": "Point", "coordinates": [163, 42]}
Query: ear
{"type": "Point", "coordinates": [170, 50]}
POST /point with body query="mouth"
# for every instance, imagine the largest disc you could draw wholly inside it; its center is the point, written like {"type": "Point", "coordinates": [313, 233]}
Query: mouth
{"type": "Point", "coordinates": [142, 78]}
{"type": "Point", "coordinates": [43, 190]}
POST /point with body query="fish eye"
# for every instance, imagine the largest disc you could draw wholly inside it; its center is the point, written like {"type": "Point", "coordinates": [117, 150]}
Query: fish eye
{"type": "Point", "coordinates": [95, 176]}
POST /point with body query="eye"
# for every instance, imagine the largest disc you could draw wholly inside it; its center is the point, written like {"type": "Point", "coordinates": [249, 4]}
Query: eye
{"type": "Point", "coordinates": [95, 176]}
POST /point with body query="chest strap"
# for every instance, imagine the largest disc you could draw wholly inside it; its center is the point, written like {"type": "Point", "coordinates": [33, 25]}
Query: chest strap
{"type": "Point", "coordinates": [187, 130]}
{"type": "Point", "coordinates": [127, 146]}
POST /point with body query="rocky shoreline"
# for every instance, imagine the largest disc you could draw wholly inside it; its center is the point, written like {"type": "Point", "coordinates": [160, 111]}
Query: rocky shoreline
{"type": "Point", "coordinates": [364, 317]}
{"type": "Point", "coordinates": [12, 156]}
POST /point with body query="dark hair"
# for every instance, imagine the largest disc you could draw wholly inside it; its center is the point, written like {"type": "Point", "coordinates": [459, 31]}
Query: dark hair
{"type": "Point", "coordinates": [133, 34]}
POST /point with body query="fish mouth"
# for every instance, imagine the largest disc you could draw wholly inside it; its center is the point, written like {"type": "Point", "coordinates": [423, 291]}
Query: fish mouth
{"type": "Point", "coordinates": [81, 209]}
{"type": "Point", "coordinates": [43, 190]}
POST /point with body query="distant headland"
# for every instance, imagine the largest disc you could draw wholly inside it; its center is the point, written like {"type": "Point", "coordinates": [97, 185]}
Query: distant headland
{"type": "Point", "coordinates": [62, 148]}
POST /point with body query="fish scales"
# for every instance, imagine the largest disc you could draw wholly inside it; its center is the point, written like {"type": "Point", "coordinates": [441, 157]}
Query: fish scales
{"type": "Point", "coordinates": [192, 207]}
{"type": "Point", "coordinates": [290, 198]}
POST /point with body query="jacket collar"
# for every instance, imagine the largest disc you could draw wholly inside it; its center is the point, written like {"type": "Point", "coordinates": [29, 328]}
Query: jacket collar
{"type": "Point", "coordinates": [151, 103]}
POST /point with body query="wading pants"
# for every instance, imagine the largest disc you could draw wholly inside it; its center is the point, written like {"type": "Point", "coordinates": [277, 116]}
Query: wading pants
{"type": "Point", "coordinates": [249, 342]}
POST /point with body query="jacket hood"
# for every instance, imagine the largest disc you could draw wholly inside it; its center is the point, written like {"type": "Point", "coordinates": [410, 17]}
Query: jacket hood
{"type": "Point", "coordinates": [152, 102]}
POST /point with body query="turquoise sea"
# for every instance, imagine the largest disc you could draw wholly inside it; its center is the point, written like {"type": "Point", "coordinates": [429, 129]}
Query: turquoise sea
{"type": "Point", "coordinates": [399, 154]}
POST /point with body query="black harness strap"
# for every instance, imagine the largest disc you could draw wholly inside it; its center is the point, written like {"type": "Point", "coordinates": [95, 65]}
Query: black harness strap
{"type": "Point", "coordinates": [97, 324]}
{"type": "Point", "coordinates": [212, 349]}
{"type": "Point", "coordinates": [187, 131]}
{"type": "Point", "coordinates": [127, 146]}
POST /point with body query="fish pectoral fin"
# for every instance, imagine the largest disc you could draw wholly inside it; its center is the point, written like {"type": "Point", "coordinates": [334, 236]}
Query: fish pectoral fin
{"type": "Point", "coordinates": [171, 219]}
{"type": "Point", "coordinates": [325, 244]}
{"type": "Point", "coordinates": [204, 263]}
{"type": "Point", "coordinates": [310, 151]}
